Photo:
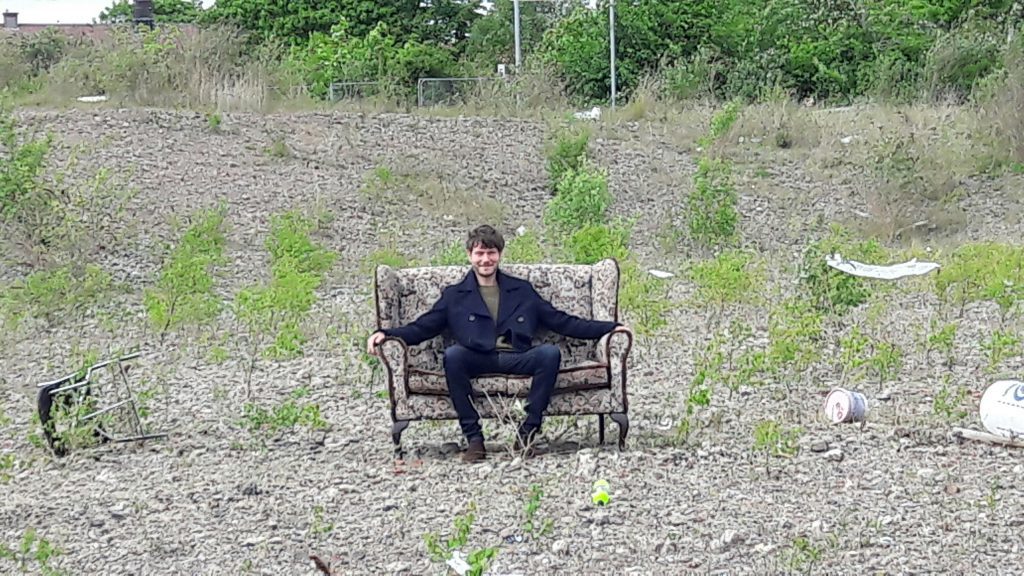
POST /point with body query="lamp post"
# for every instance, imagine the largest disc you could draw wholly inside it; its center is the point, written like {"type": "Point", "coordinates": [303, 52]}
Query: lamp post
{"type": "Point", "coordinates": [611, 48]}
{"type": "Point", "coordinates": [515, 18]}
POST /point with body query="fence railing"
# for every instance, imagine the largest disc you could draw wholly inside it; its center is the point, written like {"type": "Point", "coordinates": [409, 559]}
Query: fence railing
{"type": "Point", "coordinates": [353, 90]}
{"type": "Point", "coordinates": [453, 91]}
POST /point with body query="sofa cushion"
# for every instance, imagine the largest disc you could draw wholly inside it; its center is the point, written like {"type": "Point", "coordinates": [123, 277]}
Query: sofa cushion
{"type": "Point", "coordinates": [585, 376]}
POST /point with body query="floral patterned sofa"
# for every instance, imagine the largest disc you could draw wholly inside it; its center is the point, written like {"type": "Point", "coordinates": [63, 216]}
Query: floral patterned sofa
{"type": "Point", "coordinates": [592, 379]}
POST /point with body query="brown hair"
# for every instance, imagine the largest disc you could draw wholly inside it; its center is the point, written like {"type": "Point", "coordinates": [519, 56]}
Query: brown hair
{"type": "Point", "coordinates": [485, 236]}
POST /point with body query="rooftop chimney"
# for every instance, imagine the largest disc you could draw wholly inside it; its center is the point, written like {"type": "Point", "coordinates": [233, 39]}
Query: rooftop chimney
{"type": "Point", "coordinates": [143, 13]}
{"type": "Point", "coordinates": [10, 20]}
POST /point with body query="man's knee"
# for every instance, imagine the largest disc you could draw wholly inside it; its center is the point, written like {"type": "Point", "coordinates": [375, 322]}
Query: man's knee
{"type": "Point", "coordinates": [549, 355]}
{"type": "Point", "coordinates": [456, 357]}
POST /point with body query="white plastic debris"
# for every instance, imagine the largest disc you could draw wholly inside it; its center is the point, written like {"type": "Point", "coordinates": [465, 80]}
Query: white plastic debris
{"type": "Point", "coordinates": [660, 273]}
{"type": "Point", "coordinates": [592, 114]}
{"type": "Point", "coordinates": [846, 139]}
{"type": "Point", "coordinates": [521, 230]}
{"type": "Point", "coordinates": [891, 272]}
{"type": "Point", "coordinates": [92, 99]}
{"type": "Point", "coordinates": [458, 563]}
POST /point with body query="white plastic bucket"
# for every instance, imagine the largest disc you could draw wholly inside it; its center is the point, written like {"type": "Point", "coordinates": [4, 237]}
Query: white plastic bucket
{"type": "Point", "coordinates": [1002, 408]}
{"type": "Point", "coordinates": [842, 405]}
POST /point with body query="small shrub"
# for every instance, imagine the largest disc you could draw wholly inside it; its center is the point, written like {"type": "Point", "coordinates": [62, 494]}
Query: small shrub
{"type": "Point", "coordinates": [829, 289]}
{"type": "Point", "coordinates": [987, 271]}
{"type": "Point", "coordinates": [184, 292]}
{"type": "Point", "coordinates": [48, 294]}
{"type": "Point", "coordinates": [794, 334]}
{"type": "Point", "coordinates": [566, 154]}
{"type": "Point", "coordinates": [643, 299]}
{"type": "Point", "coordinates": [711, 214]}
{"type": "Point", "coordinates": [595, 242]}
{"type": "Point", "coordinates": [453, 255]}
{"type": "Point", "coordinates": [721, 122]}
{"type": "Point", "coordinates": [582, 198]}
{"type": "Point", "coordinates": [524, 249]}
{"type": "Point", "coordinates": [730, 277]}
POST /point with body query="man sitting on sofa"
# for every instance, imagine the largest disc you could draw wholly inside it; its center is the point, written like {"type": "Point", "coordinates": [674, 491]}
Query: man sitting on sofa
{"type": "Point", "coordinates": [493, 318]}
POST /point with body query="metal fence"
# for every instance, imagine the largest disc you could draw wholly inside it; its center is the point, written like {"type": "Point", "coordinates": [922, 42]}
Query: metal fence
{"type": "Point", "coordinates": [455, 91]}
{"type": "Point", "coordinates": [353, 90]}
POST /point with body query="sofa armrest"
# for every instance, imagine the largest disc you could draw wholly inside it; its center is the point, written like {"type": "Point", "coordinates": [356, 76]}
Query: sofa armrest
{"type": "Point", "coordinates": [613, 349]}
{"type": "Point", "coordinates": [395, 355]}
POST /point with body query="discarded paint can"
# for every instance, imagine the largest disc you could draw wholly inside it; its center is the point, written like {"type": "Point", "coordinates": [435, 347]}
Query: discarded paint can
{"type": "Point", "coordinates": [600, 495]}
{"type": "Point", "coordinates": [842, 405]}
{"type": "Point", "coordinates": [1002, 408]}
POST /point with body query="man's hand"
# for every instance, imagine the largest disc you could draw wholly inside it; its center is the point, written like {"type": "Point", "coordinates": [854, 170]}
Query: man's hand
{"type": "Point", "coordinates": [375, 339]}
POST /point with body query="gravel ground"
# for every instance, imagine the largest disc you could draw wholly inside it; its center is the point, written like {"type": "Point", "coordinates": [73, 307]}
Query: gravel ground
{"type": "Point", "coordinates": [892, 496]}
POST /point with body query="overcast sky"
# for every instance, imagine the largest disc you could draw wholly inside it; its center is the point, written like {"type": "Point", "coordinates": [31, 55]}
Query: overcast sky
{"type": "Point", "coordinates": [60, 11]}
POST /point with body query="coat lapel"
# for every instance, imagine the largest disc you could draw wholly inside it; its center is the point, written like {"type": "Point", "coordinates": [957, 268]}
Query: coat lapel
{"type": "Point", "coordinates": [511, 297]}
{"type": "Point", "coordinates": [469, 292]}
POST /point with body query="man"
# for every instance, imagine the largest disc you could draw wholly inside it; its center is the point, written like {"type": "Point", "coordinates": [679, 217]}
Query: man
{"type": "Point", "coordinates": [493, 317]}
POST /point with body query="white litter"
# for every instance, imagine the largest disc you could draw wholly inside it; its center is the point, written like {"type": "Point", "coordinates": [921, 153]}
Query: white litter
{"type": "Point", "coordinates": [891, 272]}
{"type": "Point", "coordinates": [521, 230]}
{"type": "Point", "coordinates": [846, 139]}
{"type": "Point", "coordinates": [660, 273]}
{"type": "Point", "coordinates": [92, 99]}
{"type": "Point", "coordinates": [592, 114]}
{"type": "Point", "coordinates": [458, 563]}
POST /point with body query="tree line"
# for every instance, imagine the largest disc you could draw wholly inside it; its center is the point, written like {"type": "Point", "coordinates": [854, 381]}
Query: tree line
{"type": "Point", "coordinates": [825, 49]}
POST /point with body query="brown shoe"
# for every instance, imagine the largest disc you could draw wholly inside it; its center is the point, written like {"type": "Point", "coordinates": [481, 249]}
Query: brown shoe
{"type": "Point", "coordinates": [475, 452]}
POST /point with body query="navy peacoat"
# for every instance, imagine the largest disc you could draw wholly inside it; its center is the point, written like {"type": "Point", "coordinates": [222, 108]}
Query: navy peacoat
{"type": "Point", "coordinates": [521, 313]}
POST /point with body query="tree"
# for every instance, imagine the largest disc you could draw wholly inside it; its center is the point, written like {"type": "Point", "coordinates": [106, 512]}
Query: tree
{"type": "Point", "coordinates": [293, 21]}
{"type": "Point", "coordinates": [164, 11]}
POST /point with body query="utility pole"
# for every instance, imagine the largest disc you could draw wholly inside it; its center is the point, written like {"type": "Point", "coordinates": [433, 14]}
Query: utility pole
{"type": "Point", "coordinates": [611, 50]}
{"type": "Point", "coordinates": [515, 17]}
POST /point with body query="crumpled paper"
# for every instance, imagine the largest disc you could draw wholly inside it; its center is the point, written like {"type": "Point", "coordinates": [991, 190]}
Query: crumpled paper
{"type": "Point", "coordinates": [889, 272]}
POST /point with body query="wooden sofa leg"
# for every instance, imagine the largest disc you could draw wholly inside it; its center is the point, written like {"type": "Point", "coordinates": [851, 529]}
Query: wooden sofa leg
{"type": "Point", "coordinates": [622, 419]}
{"type": "Point", "coordinates": [600, 428]}
{"type": "Point", "coordinates": [397, 428]}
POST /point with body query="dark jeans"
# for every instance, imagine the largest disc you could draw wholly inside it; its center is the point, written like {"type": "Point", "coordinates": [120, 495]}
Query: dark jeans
{"type": "Point", "coordinates": [461, 365]}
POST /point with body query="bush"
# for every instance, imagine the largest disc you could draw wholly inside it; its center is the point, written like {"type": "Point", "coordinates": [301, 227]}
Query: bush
{"type": "Point", "coordinates": [595, 242]}
{"type": "Point", "coordinates": [581, 198]}
{"type": "Point", "coordinates": [184, 292]}
{"type": "Point", "coordinates": [711, 206]}
{"type": "Point", "coordinates": [568, 152]}
{"type": "Point", "coordinates": [829, 289]}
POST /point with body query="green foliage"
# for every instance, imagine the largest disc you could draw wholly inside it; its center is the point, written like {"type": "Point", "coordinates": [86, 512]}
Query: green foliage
{"type": "Point", "coordinates": [523, 249]}
{"type": "Point", "coordinates": [581, 198]}
{"type": "Point", "coordinates": [453, 255]}
{"type": "Point", "coordinates": [33, 551]}
{"type": "Point", "coordinates": [48, 294]}
{"type": "Point", "coordinates": [731, 277]}
{"type": "Point", "coordinates": [829, 289]}
{"type": "Point", "coordinates": [721, 122]}
{"type": "Point", "coordinates": [567, 153]}
{"type": "Point", "coordinates": [643, 298]}
{"type": "Point", "coordinates": [21, 187]}
{"type": "Point", "coordinates": [862, 355]}
{"type": "Point", "coordinates": [948, 401]}
{"type": "Point", "coordinates": [387, 256]}
{"type": "Point", "coordinates": [276, 310]}
{"type": "Point", "coordinates": [530, 510]}
{"type": "Point", "coordinates": [773, 439]}
{"type": "Point", "coordinates": [379, 55]}
{"type": "Point", "coordinates": [184, 293]}
{"type": "Point", "coordinates": [284, 416]}
{"type": "Point", "coordinates": [1000, 346]}
{"type": "Point", "coordinates": [164, 11]}
{"type": "Point", "coordinates": [987, 271]}
{"type": "Point", "coordinates": [440, 551]}
{"type": "Point", "coordinates": [711, 214]}
{"type": "Point", "coordinates": [595, 242]}
{"type": "Point", "coordinates": [794, 334]}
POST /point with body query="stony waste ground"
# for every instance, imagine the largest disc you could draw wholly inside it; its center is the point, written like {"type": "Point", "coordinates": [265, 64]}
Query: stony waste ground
{"type": "Point", "coordinates": [893, 495]}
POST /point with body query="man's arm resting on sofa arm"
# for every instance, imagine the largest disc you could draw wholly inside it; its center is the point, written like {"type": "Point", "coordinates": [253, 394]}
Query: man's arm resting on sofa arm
{"type": "Point", "coordinates": [428, 325]}
{"type": "Point", "coordinates": [615, 345]}
{"type": "Point", "coordinates": [573, 326]}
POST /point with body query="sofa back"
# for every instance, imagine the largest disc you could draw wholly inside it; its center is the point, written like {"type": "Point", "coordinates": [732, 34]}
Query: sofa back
{"type": "Point", "coordinates": [587, 291]}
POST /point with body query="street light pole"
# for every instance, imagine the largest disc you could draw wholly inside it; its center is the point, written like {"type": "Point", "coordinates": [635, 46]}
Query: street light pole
{"type": "Point", "coordinates": [515, 17]}
{"type": "Point", "coordinates": [611, 37]}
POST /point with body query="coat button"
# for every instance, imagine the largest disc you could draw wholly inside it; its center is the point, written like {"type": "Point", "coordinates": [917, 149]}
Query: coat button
{"type": "Point", "coordinates": [472, 317]}
{"type": "Point", "coordinates": [520, 319]}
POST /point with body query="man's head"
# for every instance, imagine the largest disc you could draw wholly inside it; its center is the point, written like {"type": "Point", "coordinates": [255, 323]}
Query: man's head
{"type": "Point", "coordinates": [484, 246]}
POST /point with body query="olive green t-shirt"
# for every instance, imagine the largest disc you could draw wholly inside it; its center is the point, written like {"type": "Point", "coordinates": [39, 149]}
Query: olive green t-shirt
{"type": "Point", "coordinates": [491, 297]}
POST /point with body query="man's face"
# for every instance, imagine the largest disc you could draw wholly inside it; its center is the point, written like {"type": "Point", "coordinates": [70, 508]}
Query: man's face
{"type": "Point", "coordinates": [484, 260]}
